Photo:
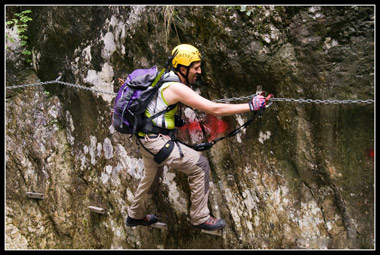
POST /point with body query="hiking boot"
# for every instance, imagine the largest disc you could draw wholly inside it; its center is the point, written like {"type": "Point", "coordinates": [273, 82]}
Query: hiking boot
{"type": "Point", "coordinates": [212, 224]}
{"type": "Point", "coordinates": [149, 219]}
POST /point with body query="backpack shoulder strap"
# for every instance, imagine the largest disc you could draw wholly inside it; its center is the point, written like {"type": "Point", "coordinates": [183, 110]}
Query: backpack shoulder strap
{"type": "Point", "coordinates": [169, 108]}
{"type": "Point", "coordinates": [148, 126]}
{"type": "Point", "coordinates": [170, 77]}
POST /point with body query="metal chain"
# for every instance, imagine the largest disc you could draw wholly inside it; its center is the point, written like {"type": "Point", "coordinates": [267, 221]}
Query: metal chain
{"type": "Point", "coordinates": [300, 100]}
{"type": "Point", "coordinates": [234, 99]}
{"type": "Point", "coordinates": [87, 88]}
{"type": "Point", "coordinates": [57, 81]}
{"type": "Point", "coordinates": [318, 101]}
{"type": "Point", "coordinates": [224, 100]}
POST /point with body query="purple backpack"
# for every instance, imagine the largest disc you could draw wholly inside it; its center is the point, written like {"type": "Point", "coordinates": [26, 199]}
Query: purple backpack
{"type": "Point", "coordinates": [133, 98]}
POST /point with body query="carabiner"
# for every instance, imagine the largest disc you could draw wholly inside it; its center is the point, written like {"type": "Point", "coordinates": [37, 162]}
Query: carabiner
{"type": "Point", "coordinates": [267, 99]}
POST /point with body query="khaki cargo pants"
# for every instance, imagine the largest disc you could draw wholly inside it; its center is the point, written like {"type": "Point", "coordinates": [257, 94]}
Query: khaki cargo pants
{"type": "Point", "coordinates": [193, 164]}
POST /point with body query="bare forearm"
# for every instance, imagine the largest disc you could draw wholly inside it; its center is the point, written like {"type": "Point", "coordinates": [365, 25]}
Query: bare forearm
{"type": "Point", "coordinates": [181, 93]}
{"type": "Point", "coordinates": [220, 109]}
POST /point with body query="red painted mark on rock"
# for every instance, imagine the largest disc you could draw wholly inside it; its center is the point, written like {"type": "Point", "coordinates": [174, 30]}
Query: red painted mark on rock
{"type": "Point", "coordinates": [214, 127]}
{"type": "Point", "coordinates": [371, 153]}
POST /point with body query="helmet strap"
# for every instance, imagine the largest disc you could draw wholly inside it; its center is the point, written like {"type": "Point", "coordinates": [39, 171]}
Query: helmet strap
{"type": "Point", "coordinates": [187, 74]}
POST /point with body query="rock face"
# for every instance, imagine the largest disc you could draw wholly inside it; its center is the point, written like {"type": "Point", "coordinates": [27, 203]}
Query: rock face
{"type": "Point", "coordinates": [302, 176]}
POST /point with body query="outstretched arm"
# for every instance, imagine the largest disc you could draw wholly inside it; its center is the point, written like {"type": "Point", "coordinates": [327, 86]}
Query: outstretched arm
{"type": "Point", "coordinates": [179, 92]}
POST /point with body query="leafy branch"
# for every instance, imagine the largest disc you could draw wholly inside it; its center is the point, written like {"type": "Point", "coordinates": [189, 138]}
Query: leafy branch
{"type": "Point", "coordinates": [20, 24]}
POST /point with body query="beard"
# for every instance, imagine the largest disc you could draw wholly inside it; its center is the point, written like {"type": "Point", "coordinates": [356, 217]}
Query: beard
{"type": "Point", "coordinates": [196, 79]}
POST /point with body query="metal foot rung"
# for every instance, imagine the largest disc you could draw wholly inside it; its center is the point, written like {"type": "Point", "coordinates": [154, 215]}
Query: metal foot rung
{"type": "Point", "coordinates": [215, 232]}
{"type": "Point", "coordinates": [161, 225]}
{"type": "Point", "coordinates": [35, 195]}
{"type": "Point", "coordinates": [97, 209]}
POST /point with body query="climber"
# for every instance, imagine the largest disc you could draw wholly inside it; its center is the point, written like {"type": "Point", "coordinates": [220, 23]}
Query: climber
{"type": "Point", "coordinates": [187, 66]}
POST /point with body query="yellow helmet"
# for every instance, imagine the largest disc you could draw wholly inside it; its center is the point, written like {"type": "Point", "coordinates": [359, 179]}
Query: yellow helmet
{"type": "Point", "coordinates": [186, 54]}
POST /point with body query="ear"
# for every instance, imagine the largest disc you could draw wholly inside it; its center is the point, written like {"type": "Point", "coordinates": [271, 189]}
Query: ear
{"type": "Point", "coordinates": [183, 69]}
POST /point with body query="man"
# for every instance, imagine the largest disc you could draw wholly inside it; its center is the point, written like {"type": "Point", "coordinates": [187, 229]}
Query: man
{"type": "Point", "coordinates": [187, 66]}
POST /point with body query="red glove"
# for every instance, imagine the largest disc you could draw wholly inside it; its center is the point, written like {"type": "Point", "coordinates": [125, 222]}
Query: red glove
{"type": "Point", "coordinates": [257, 102]}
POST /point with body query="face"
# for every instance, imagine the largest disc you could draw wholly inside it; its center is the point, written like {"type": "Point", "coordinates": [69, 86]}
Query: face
{"type": "Point", "coordinates": [194, 72]}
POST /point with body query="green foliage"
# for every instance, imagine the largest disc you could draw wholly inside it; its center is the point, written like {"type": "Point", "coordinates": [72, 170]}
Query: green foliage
{"type": "Point", "coordinates": [248, 10]}
{"type": "Point", "coordinates": [20, 23]}
{"type": "Point", "coordinates": [47, 93]}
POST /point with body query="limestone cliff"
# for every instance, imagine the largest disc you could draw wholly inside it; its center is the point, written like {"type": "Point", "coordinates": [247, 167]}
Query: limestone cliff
{"type": "Point", "coordinates": [302, 176]}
